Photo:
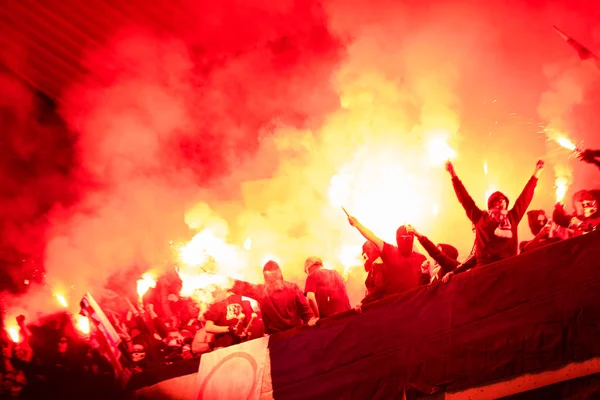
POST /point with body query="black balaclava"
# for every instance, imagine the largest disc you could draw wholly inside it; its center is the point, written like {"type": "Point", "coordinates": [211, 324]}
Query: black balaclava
{"type": "Point", "coordinates": [404, 241]}
{"type": "Point", "coordinates": [535, 222]}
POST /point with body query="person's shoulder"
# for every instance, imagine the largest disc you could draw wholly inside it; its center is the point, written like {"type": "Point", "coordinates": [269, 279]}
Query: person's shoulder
{"type": "Point", "coordinates": [290, 285]}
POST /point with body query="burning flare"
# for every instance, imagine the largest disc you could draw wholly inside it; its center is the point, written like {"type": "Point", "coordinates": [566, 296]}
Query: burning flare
{"type": "Point", "coordinates": [83, 324]}
{"type": "Point", "coordinates": [61, 300]}
{"type": "Point", "coordinates": [566, 143]}
{"type": "Point", "coordinates": [146, 282]}
{"type": "Point", "coordinates": [561, 184]}
{"type": "Point", "coordinates": [440, 151]}
{"type": "Point", "coordinates": [13, 332]}
{"type": "Point", "coordinates": [485, 168]}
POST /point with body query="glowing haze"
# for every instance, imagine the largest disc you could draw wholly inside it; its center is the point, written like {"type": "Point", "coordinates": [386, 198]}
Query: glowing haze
{"type": "Point", "coordinates": [289, 112]}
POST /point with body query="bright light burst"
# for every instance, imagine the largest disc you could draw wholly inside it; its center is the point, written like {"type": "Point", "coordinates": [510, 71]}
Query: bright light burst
{"type": "Point", "coordinates": [561, 184]}
{"type": "Point", "coordinates": [83, 324]}
{"type": "Point", "coordinates": [13, 332]}
{"type": "Point", "coordinates": [61, 300]}
{"type": "Point", "coordinates": [566, 143]}
{"type": "Point", "coordinates": [439, 150]}
{"type": "Point", "coordinates": [147, 281]}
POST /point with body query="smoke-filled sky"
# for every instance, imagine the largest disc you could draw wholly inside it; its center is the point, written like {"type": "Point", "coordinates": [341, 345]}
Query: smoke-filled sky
{"type": "Point", "coordinates": [257, 121]}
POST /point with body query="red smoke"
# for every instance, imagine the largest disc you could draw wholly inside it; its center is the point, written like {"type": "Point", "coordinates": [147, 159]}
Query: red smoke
{"type": "Point", "coordinates": [188, 104]}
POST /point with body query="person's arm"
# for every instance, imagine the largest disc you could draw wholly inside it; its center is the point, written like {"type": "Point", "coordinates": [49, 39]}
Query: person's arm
{"type": "Point", "coordinates": [211, 327]}
{"type": "Point", "coordinates": [246, 289]}
{"type": "Point", "coordinates": [473, 212]}
{"type": "Point", "coordinates": [524, 199]}
{"type": "Point", "coordinates": [303, 308]}
{"type": "Point", "coordinates": [447, 263]}
{"type": "Point", "coordinates": [310, 288]}
{"type": "Point", "coordinates": [542, 234]}
{"type": "Point", "coordinates": [367, 233]}
{"type": "Point", "coordinates": [202, 342]}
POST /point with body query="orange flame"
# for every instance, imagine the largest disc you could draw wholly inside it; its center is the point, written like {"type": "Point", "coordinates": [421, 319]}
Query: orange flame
{"type": "Point", "coordinates": [485, 168]}
{"type": "Point", "coordinates": [13, 332]}
{"type": "Point", "coordinates": [566, 143]}
{"type": "Point", "coordinates": [561, 184]}
{"type": "Point", "coordinates": [61, 300]}
{"type": "Point", "coordinates": [83, 324]}
{"type": "Point", "coordinates": [439, 150]}
{"type": "Point", "coordinates": [146, 282]}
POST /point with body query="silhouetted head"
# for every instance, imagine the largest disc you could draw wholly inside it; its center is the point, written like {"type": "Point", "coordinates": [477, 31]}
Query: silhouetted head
{"type": "Point", "coordinates": [405, 241]}
{"type": "Point", "coordinates": [312, 263]}
{"type": "Point", "coordinates": [498, 201]}
{"type": "Point", "coordinates": [536, 219]}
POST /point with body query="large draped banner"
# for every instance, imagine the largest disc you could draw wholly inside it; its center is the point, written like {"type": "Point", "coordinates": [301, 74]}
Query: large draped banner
{"type": "Point", "coordinates": [239, 372]}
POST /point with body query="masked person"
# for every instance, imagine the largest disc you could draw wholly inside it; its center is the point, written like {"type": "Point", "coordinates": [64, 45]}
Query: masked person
{"type": "Point", "coordinates": [543, 229]}
{"type": "Point", "coordinates": [282, 304]}
{"type": "Point", "coordinates": [325, 289]}
{"type": "Point", "coordinates": [401, 265]}
{"type": "Point", "coordinates": [586, 217]}
{"type": "Point", "coordinates": [374, 268]}
{"type": "Point", "coordinates": [226, 318]}
{"type": "Point", "coordinates": [496, 230]}
{"type": "Point", "coordinates": [444, 255]}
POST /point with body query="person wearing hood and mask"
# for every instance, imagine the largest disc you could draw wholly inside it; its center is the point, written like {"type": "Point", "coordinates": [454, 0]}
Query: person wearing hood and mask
{"type": "Point", "coordinates": [401, 264]}
{"type": "Point", "coordinates": [496, 229]}
{"type": "Point", "coordinates": [374, 269]}
{"type": "Point", "coordinates": [282, 304]}
{"type": "Point", "coordinates": [544, 231]}
{"type": "Point", "coordinates": [586, 217]}
{"type": "Point", "coordinates": [445, 255]}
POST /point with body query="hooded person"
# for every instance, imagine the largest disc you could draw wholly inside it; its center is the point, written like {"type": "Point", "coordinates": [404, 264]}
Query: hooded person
{"type": "Point", "coordinates": [586, 217]}
{"type": "Point", "coordinates": [444, 255]}
{"type": "Point", "coordinates": [373, 264]}
{"type": "Point", "coordinates": [282, 304]}
{"type": "Point", "coordinates": [325, 289]}
{"type": "Point", "coordinates": [401, 264]}
{"type": "Point", "coordinates": [543, 229]}
{"type": "Point", "coordinates": [496, 230]}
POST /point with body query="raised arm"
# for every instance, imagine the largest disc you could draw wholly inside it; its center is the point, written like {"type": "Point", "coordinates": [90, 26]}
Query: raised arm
{"type": "Point", "coordinates": [524, 199]}
{"type": "Point", "coordinates": [473, 212]}
{"type": "Point", "coordinates": [367, 234]}
{"type": "Point", "coordinates": [246, 289]}
{"type": "Point", "coordinates": [304, 310]}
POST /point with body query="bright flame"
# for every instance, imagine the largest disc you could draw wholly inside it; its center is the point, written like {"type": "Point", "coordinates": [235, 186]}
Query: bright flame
{"type": "Point", "coordinates": [350, 256]}
{"type": "Point", "coordinates": [13, 332]}
{"type": "Point", "coordinates": [566, 143]}
{"type": "Point", "coordinates": [248, 244]}
{"type": "Point", "coordinates": [435, 210]}
{"type": "Point", "coordinates": [485, 168]}
{"type": "Point", "coordinates": [146, 282]}
{"type": "Point", "coordinates": [83, 324]}
{"type": "Point", "coordinates": [561, 185]}
{"type": "Point", "coordinates": [61, 300]}
{"type": "Point", "coordinates": [439, 151]}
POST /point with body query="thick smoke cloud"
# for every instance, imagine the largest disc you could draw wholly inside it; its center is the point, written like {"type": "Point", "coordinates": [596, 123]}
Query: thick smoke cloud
{"type": "Point", "coordinates": [33, 180]}
{"type": "Point", "coordinates": [241, 121]}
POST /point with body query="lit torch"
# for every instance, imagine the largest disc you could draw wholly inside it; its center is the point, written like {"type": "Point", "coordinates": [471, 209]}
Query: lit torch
{"type": "Point", "coordinates": [83, 324]}
{"type": "Point", "coordinates": [146, 282]}
{"type": "Point", "coordinates": [13, 332]}
{"type": "Point", "coordinates": [61, 300]}
{"type": "Point", "coordinates": [440, 151]}
{"type": "Point", "coordinates": [561, 185]}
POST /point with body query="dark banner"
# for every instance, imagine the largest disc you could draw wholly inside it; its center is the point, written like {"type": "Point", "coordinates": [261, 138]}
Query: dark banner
{"type": "Point", "coordinates": [532, 313]}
